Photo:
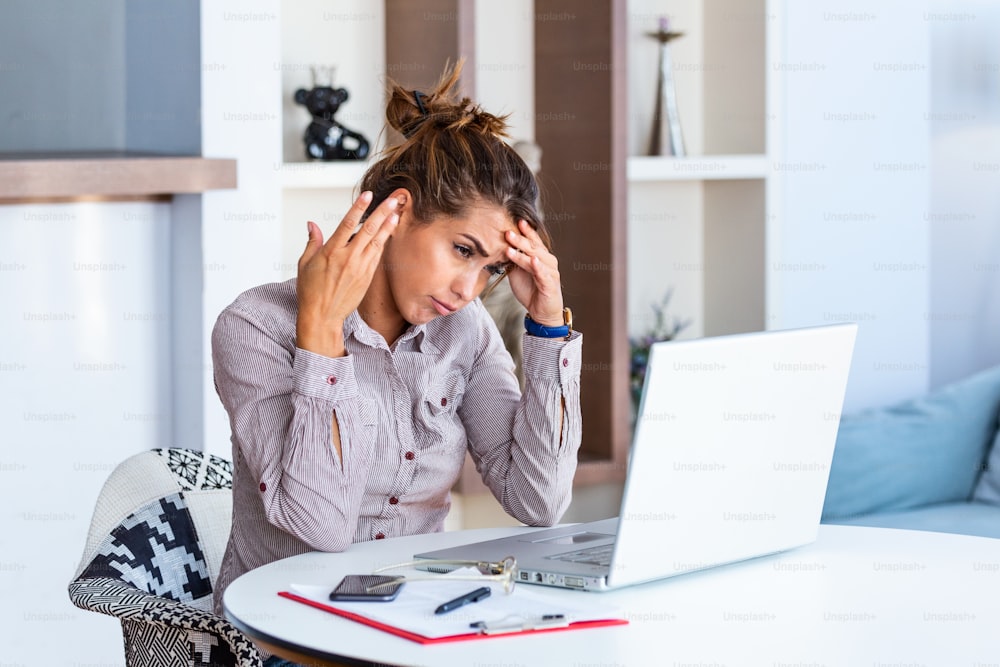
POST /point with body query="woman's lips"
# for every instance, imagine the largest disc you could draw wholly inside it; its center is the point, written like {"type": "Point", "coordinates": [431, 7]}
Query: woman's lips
{"type": "Point", "coordinates": [441, 307]}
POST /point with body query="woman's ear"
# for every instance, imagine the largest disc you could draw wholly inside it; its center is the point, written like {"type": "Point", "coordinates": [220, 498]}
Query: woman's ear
{"type": "Point", "coordinates": [404, 197]}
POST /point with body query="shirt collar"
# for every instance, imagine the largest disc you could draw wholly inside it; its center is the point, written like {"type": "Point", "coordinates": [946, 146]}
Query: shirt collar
{"type": "Point", "coordinates": [357, 327]}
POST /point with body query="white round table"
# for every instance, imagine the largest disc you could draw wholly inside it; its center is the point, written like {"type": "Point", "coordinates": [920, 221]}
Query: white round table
{"type": "Point", "coordinates": [857, 596]}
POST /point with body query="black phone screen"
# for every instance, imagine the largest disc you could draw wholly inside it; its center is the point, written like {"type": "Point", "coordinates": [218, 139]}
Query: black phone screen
{"type": "Point", "coordinates": [355, 588]}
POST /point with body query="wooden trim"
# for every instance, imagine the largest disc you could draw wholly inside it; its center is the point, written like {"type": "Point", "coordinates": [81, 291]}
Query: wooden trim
{"type": "Point", "coordinates": [59, 178]}
{"type": "Point", "coordinates": [580, 104]}
{"type": "Point", "coordinates": [92, 199]}
{"type": "Point", "coordinates": [421, 36]}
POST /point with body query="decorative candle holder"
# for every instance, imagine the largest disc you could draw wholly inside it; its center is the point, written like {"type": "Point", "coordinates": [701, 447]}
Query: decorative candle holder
{"type": "Point", "coordinates": [666, 138]}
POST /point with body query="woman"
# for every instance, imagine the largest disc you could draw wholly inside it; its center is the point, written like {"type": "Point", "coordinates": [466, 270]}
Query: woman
{"type": "Point", "coordinates": [355, 390]}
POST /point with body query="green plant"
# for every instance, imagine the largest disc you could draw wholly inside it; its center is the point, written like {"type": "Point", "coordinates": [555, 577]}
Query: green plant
{"type": "Point", "coordinates": [665, 327]}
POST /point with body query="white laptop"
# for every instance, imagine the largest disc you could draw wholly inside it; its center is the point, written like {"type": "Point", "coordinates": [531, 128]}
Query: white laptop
{"type": "Point", "coordinates": [729, 461]}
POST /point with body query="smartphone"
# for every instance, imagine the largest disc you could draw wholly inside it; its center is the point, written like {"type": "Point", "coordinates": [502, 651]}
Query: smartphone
{"type": "Point", "coordinates": [355, 588]}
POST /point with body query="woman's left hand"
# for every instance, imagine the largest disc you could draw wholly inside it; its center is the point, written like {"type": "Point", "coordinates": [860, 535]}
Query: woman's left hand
{"type": "Point", "coordinates": [535, 280]}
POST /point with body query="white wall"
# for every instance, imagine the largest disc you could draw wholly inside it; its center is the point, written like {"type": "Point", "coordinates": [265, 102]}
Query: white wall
{"type": "Point", "coordinates": [964, 209]}
{"type": "Point", "coordinates": [85, 380]}
{"type": "Point", "coordinates": [241, 118]}
{"type": "Point", "coordinates": [851, 237]}
{"type": "Point", "coordinates": [889, 207]}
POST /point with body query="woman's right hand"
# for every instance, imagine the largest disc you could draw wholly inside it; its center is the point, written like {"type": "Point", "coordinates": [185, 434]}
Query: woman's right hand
{"type": "Point", "coordinates": [334, 276]}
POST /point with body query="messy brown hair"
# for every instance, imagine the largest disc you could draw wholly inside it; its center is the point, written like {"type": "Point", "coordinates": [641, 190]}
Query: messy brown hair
{"type": "Point", "coordinates": [453, 156]}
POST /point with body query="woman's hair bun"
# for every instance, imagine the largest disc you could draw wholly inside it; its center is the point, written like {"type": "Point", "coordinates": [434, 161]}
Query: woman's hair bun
{"type": "Point", "coordinates": [455, 155]}
{"type": "Point", "coordinates": [439, 109]}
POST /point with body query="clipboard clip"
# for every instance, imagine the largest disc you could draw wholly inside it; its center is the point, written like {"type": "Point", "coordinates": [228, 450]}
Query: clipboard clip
{"type": "Point", "coordinates": [511, 624]}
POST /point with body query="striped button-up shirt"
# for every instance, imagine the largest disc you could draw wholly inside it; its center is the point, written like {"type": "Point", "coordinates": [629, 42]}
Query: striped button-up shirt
{"type": "Point", "coordinates": [406, 414]}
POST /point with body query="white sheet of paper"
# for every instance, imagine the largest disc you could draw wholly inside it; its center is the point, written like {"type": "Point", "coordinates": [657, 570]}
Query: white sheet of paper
{"type": "Point", "coordinates": [413, 609]}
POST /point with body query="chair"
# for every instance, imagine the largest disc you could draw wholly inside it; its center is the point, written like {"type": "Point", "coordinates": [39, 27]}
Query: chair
{"type": "Point", "coordinates": [156, 540]}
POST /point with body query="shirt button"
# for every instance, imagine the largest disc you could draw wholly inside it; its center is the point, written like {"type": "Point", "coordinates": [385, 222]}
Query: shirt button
{"type": "Point", "coordinates": [332, 379]}
{"type": "Point", "coordinates": [444, 402]}
{"type": "Point", "coordinates": [409, 456]}
{"type": "Point", "coordinates": [379, 536]}
{"type": "Point", "coordinates": [565, 363]}
{"type": "Point", "coordinates": [393, 500]}
{"type": "Point", "coordinates": [263, 487]}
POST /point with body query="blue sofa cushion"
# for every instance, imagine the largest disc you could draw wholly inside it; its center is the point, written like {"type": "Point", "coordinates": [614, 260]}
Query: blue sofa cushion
{"type": "Point", "coordinates": [988, 488]}
{"type": "Point", "coordinates": [920, 452]}
{"type": "Point", "coordinates": [961, 517]}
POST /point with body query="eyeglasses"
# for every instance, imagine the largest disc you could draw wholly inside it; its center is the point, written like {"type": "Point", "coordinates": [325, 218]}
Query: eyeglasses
{"type": "Point", "coordinates": [504, 571]}
{"type": "Point", "coordinates": [494, 282]}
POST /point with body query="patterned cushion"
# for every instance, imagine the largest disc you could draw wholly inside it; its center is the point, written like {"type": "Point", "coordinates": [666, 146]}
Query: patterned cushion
{"type": "Point", "coordinates": [194, 471]}
{"type": "Point", "coordinates": [145, 561]}
{"type": "Point", "coordinates": [156, 550]}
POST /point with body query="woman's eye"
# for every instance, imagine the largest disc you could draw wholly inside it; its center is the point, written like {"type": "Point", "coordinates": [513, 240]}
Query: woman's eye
{"type": "Point", "coordinates": [496, 269]}
{"type": "Point", "coordinates": [464, 251]}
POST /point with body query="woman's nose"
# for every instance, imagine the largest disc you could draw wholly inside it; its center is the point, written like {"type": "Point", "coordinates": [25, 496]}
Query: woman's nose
{"type": "Point", "coordinates": [466, 285]}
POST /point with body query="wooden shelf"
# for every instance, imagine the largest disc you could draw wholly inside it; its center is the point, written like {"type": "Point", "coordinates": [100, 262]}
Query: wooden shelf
{"type": "Point", "coordinates": [700, 168]}
{"type": "Point", "coordinates": [109, 175]}
{"type": "Point", "coordinates": [319, 175]}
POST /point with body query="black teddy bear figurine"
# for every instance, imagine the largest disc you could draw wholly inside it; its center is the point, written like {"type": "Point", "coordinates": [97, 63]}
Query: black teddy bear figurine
{"type": "Point", "coordinates": [325, 138]}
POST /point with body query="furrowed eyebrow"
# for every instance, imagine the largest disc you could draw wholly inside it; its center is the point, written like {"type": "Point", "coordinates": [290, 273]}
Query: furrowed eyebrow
{"type": "Point", "coordinates": [475, 242]}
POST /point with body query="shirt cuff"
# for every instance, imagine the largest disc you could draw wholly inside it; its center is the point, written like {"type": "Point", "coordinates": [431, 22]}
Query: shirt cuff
{"type": "Point", "coordinates": [553, 358]}
{"type": "Point", "coordinates": [325, 378]}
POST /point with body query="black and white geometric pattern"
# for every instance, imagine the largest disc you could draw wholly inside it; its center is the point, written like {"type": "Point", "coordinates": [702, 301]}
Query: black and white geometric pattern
{"type": "Point", "coordinates": [151, 566]}
{"type": "Point", "coordinates": [156, 549]}
{"type": "Point", "coordinates": [196, 470]}
{"type": "Point", "coordinates": [165, 633]}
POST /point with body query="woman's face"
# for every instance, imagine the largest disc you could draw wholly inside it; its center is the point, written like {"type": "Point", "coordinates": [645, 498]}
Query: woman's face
{"type": "Point", "coordinates": [436, 268]}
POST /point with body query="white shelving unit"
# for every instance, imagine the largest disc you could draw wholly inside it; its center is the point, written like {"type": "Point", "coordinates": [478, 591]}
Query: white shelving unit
{"type": "Point", "coordinates": [322, 175]}
{"type": "Point", "coordinates": [349, 36]}
{"type": "Point", "coordinates": [702, 168]}
{"type": "Point", "coordinates": [698, 224]}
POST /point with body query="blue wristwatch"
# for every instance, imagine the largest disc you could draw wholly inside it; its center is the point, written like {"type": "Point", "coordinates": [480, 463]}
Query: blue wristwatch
{"type": "Point", "coordinates": [542, 331]}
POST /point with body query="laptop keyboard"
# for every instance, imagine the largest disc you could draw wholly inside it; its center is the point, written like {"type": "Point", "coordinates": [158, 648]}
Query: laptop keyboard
{"type": "Point", "coordinates": [598, 555]}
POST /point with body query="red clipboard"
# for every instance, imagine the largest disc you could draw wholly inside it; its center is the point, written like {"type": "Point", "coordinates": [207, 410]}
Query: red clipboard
{"type": "Point", "coordinates": [421, 639]}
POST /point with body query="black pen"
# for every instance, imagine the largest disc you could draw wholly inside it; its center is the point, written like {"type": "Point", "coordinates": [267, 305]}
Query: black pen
{"type": "Point", "coordinates": [474, 596]}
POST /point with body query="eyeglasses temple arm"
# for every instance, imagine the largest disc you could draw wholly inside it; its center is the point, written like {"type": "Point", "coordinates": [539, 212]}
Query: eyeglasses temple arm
{"type": "Point", "coordinates": [412, 563]}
